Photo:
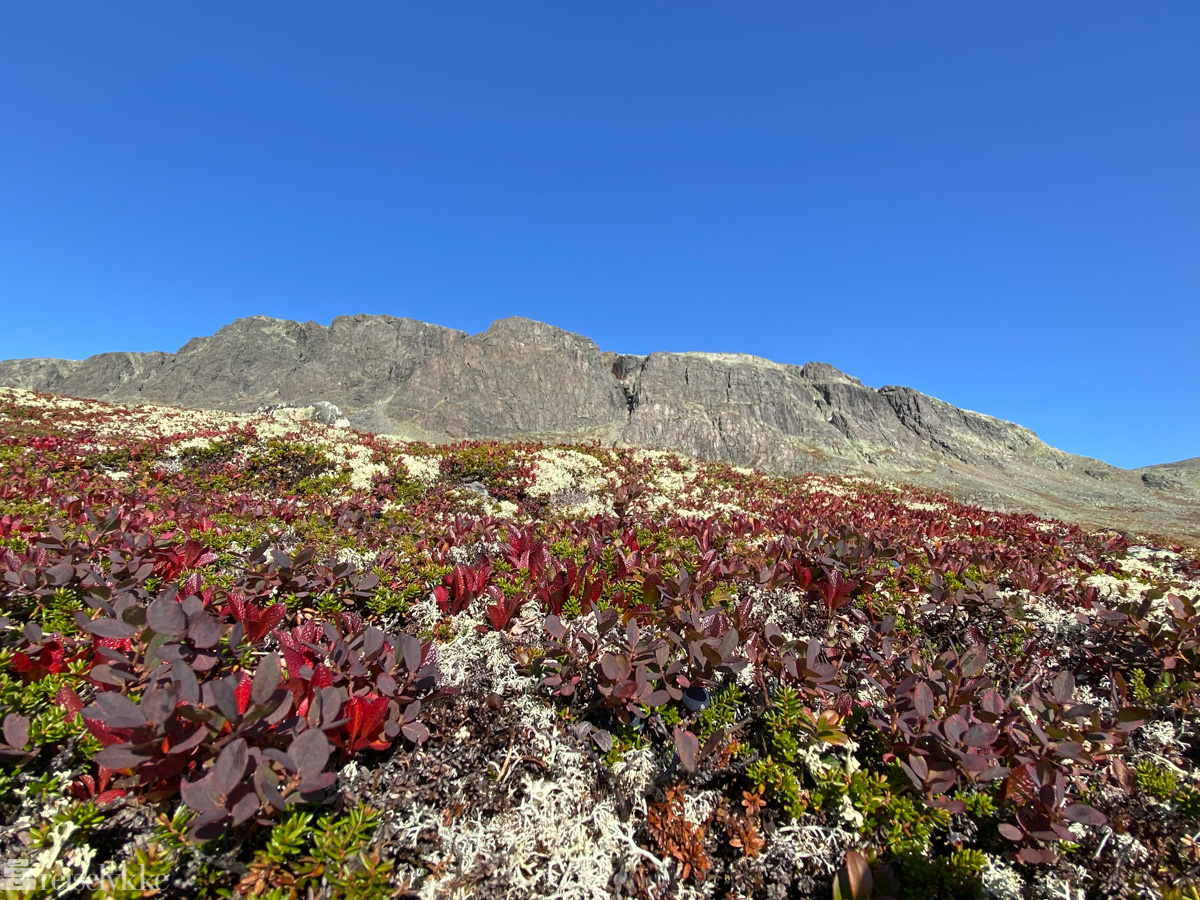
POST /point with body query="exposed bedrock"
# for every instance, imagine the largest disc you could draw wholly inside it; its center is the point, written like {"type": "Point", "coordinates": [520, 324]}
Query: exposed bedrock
{"type": "Point", "coordinates": [526, 379]}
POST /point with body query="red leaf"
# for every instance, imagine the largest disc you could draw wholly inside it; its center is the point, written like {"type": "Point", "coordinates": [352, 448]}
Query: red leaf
{"type": "Point", "coordinates": [69, 700]}
{"type": "Point", "coordinates": [108, 797]}
{"type": "Point", "coordinates": [1019, 783]}
{"type": "Point", "coordinates": [259, 622]}
{"type": "Point", "coordinates": [499, 613]}
{"type": "Point", "coordinates": [237, 606]}
{"type": "Point", "coordinates": [100, 732]}
{"type": "Point", "coordinates": [365, 717]}
{"type": "Point", "coordinates": [242, 693]}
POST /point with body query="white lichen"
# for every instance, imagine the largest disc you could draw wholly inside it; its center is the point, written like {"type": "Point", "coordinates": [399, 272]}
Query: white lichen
{"type": "Point", "coordinates": [425, 469]}
{"type": "Point", "coordinates": [1000, 880]}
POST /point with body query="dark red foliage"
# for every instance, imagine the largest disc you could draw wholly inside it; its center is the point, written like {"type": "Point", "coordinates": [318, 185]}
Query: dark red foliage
{"type": "Point", "coordinates": [200, 683]}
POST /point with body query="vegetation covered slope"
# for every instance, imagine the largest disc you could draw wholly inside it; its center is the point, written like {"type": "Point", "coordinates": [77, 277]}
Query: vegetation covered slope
{"type": "Point", "coordinates": [263, 657]}
{"type": "Point", "coordinates": [528, 381]}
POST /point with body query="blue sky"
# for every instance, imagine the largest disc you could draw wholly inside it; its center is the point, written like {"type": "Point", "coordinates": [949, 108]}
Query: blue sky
{"type": "Point", "coordinates": [997, 204]}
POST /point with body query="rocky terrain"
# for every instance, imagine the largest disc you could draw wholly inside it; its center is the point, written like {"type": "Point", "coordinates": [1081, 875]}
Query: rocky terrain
{"type": "Point", "coordinates": [524, 379]}
{"type": "Point", "coordinates": [266, 656]}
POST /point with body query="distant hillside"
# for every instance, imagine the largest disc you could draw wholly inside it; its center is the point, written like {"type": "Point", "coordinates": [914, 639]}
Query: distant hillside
{"type": "Point", "coordinates": [525, 379]}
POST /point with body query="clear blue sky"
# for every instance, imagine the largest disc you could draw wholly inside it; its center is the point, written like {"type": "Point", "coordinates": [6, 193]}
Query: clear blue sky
{"type": "Point", "coordinates": [998, 204]}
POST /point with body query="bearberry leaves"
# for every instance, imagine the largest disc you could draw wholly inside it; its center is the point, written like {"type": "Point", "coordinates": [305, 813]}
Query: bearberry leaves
{"type": "Point", "coordinates": [16, 731]}
{"type": "Point", "coordinates": [231, 619]}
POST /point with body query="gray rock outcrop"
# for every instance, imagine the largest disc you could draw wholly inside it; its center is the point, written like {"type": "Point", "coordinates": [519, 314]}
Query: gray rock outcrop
{"type": "Point", "coordinates": [525, 379]}
{"type": "Point", "coordinates": [517, 379]}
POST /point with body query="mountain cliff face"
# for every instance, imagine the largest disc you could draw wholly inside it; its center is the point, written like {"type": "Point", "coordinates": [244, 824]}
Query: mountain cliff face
{"type": "Point", "coordinates": [525, 379]}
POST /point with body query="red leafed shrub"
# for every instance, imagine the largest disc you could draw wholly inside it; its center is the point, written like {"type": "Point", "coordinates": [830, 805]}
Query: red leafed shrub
{"type": "Point", "coordinates": [254, 619]}
{"type": "Point", "coordinates": [847, 655]}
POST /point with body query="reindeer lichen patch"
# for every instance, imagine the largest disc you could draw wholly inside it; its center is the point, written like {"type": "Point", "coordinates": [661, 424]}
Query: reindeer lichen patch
{"type": "Point", "coordinates": [250, 652]}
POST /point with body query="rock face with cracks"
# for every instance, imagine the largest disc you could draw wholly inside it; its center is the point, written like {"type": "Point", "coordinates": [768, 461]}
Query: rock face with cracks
{"type": "Point", "coordinates": [525, 379]}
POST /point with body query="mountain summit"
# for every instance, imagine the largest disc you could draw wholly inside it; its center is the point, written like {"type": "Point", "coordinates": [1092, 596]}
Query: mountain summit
{"type": "Point", "coordinates": [525, 379]}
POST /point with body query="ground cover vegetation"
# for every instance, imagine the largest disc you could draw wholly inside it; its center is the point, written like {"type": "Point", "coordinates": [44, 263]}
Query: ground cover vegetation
{"type": "Point", "coordinates": [263, 657]}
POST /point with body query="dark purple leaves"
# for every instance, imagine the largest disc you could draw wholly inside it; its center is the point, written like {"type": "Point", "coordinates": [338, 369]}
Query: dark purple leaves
{"type": "Point", "coordinates": [220, 693]}
{"type": "Point", "coordinates": [104, 674]}
{"type": "Point", "coordinates": [1063, 686]}
{"type": "Point", "coordinates": [16, 731]}
{"type": "Point", "coordinates": [310, 751]}
{"type": "Point", "coordinates": [412, 711]}
{"type": "Point", "coordinates": [954, 728]}
{"type": "Point", "coordinates": [60, 574]}
{"type": "Point", "coordinates": [415, 732]}
{"type": "Point", "coordinates": [118, 711]}
{"type": "Point", "coordinates": [231, 766]}
{"type": "Point", "coordinates": [918, 768]}
{"type": "Point", "coordinates": [157, 704]}
{"type": "Point", "coordinates": [312, 789]}
{"type": "Point", "coordinates": [615, 666]}
{"type": "Point", "coordinates": [981, 735]}
{"type": "Point", "coordinates": [204, 631]}
{"type": "Point", "coordinates": [687, 748]}
{"type": "Point", "coordinates": [993, 704]}
{"type": "Point", "coordinates": [655, 699]}
{"type": "Point", "coordinates": [325, 706]}
{"type": "Point", "coordinates": [186, 683]}
{"type": "Point", "coordinates": [266, 783]}
{"type": "Point", "coordinates": [1037, 855]}
{"type": "Point", "coordinates": [166, 616]}
{"type": "Point", "coordinates": [105, 627]}
{"type": "Point", "coordinates": [923, 700]}
{"type": "Point", "coordinates": [1087, 815]}
{"type": "Point", "coordinates": [1012, 832]}
{"type": "Point", "coordinates": [121, 756]}
{"type": "Point", "coordinates": [372, 643]}
{"type": "Point", "coordinates": [410, 647]}
{"type": "Point", "coordinates": [189, 743]}
{"type": "Point", "coordinates": [200, 795]}
{"type": "Point", "coordinates": [245, 808]}
{"type": "Point", "coordinates": [266, 679]}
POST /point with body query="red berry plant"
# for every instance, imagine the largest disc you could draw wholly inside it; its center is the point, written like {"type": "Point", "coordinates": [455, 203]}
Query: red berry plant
{"type": "Point", "coordinates": [253, 655]}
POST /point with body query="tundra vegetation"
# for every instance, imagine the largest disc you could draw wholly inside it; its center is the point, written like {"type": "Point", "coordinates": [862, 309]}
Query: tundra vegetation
{"type": "Point", "coordinates": [269, 658]}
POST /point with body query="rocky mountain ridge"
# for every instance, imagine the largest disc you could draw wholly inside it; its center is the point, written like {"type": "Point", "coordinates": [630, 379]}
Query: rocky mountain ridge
{"type": "Point", "coordinates": [528, 380]}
